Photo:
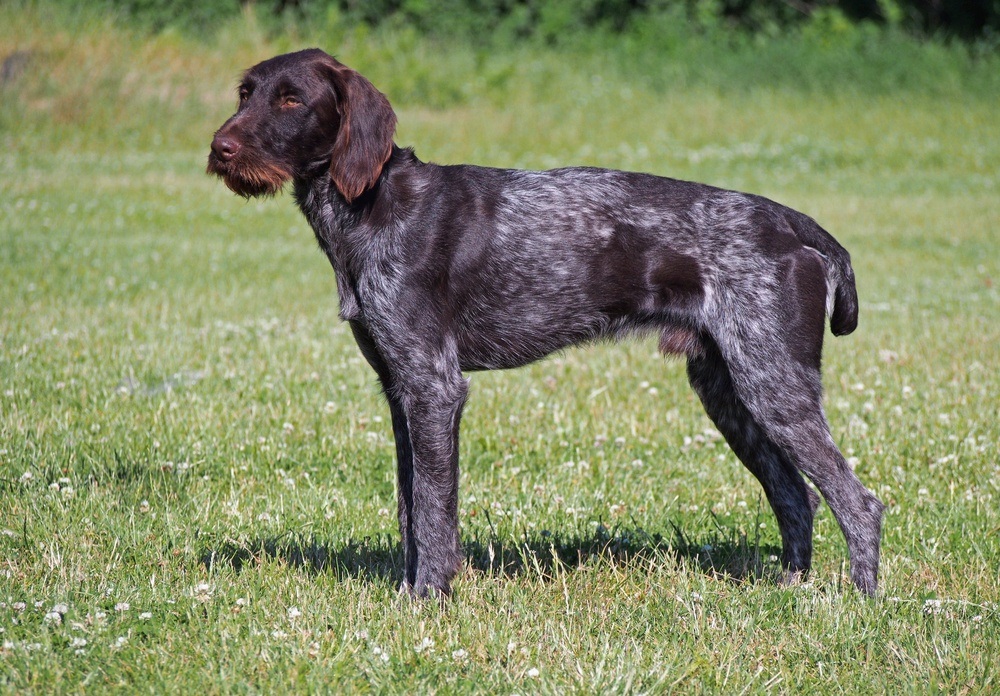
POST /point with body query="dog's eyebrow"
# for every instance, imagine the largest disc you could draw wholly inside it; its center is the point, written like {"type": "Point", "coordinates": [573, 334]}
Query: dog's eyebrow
{"type": "Point", "coordinates": [246, 81]}
{"type": "Point", "coordinates": [286, 87]}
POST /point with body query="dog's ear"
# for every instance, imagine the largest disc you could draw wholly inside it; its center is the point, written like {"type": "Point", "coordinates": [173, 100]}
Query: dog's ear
{"type": "Point", "coordinates": [364, 137]}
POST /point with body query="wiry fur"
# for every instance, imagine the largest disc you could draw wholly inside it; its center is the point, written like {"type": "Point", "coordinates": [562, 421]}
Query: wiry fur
{"type": "Point", "coordinates": [446, 269]}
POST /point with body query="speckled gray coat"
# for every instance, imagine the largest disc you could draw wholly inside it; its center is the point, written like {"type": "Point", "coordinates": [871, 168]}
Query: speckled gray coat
{"type": "Point", "coordinates": [446, 269]}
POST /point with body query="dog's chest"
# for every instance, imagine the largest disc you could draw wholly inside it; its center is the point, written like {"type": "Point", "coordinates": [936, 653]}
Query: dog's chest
{"type": "Point", "coordinates": [329, 223]}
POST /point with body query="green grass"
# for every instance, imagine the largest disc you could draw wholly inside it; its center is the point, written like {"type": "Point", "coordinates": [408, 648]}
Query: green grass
{"type": "Point", "coordinates": [196, 465]}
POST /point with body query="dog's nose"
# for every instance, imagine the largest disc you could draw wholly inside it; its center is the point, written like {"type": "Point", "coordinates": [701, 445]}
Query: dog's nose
{"type": "Point", "coordinates": [224, 147]}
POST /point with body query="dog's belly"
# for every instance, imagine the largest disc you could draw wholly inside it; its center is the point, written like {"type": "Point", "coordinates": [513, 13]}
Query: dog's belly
{"type": "Point", "coordinates": [513, 340]}
{"type": "Point", "coordinates": [560, 296]}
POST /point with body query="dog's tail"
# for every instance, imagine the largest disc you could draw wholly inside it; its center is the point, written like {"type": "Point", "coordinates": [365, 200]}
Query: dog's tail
{"type": "Point", "coordinates": [842, 295]}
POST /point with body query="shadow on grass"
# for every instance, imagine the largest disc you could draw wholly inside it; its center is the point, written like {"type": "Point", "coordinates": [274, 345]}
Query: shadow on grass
{"type": "Point", "coordinates": [724, 552]}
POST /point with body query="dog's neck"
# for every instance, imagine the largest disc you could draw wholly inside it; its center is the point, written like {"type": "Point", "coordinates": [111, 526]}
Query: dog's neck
{"type": "Point", "coordinates": [341, 227]}
{"type": "Point", "coordinates": [331, 215]}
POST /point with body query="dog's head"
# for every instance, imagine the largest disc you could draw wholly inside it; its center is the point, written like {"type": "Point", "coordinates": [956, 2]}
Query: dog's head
{"type": "Point", "coordinates": [301, 115]}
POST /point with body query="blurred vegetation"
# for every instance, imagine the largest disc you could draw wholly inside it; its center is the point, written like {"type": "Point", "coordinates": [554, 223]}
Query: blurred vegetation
{"type": "Point", "coordinates": [106, 69]}
{"type": "Point", "coordinates": [563, 20]}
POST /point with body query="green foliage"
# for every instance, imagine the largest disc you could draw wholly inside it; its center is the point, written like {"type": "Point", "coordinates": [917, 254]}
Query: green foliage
{"type": "Point", "coordinates": [503, 21]}
{"type": "Point", "coordinates": [197, 16]}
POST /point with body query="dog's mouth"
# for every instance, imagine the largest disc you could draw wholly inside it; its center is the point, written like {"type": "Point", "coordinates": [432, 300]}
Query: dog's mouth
{"type": "Point", "coordinates": [247, 179]}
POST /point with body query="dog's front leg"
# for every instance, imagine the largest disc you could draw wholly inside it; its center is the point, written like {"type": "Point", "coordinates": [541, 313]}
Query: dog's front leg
{"type": "Point", "coordinates": [404, 489]}
{"type": "Point", "coordinates": [404, 452]}
{"type": "Point", "coordinates": [433, 409]}
{"type": "Point", "coordinates": [425, 398]}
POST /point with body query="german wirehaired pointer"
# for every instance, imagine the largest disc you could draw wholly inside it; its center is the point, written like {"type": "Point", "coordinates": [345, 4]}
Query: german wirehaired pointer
{"type": "Point", "coordinates": [446, 269]}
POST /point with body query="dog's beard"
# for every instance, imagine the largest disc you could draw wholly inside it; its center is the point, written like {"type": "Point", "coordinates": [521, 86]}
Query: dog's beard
{"type": "Point", "coordinates": [247, 179]}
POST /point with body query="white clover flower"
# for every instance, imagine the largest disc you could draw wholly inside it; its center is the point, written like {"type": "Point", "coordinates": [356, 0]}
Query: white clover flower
{"type": "Point", "coordinates": [533, 672]}
{"type": "Point", "coordinates": [53, 617]}
{"type": "Point", "coordinates": [78, 642]}
{"type": "Point", "coordinates": [61, 609]}
{"type": "Point", "coordinates": [146, 616]}
{"type": "Point", "coordinates": [122, 606]}
{"type": "Point", "coordinates": [459, 654]}
{"type": "Point", "coordinates": [294, 613]}
{"type": "Point", "coordinates": [27, 476]}
{"type": "Point", "coordinates": [425, 644]}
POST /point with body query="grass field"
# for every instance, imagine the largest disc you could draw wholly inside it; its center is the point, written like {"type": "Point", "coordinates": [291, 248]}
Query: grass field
{"type": "Point", "coordinates": [196, 469]}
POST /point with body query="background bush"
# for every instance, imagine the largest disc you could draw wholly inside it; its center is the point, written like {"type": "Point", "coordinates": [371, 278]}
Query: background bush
{"type": "Point", "coordinates": [548, 21]}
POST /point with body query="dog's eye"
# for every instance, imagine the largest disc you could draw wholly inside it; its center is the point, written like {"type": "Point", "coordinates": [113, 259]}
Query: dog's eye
{"type": "Point", "coordinates": [290, 101]}
{"type": "Point", "coordinates": [244, 94]}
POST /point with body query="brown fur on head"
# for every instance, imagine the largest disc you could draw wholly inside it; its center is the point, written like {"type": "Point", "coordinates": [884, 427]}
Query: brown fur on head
{"type": "Point", "coordinates": [302, 115]}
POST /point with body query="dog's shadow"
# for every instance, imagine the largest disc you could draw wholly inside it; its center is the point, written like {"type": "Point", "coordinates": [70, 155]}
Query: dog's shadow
{"type": "Point", "coordinates": [723, 552]}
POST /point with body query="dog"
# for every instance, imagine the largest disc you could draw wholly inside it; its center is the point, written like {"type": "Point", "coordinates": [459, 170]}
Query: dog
{"type": "Point", "coordinates": [442, 270]}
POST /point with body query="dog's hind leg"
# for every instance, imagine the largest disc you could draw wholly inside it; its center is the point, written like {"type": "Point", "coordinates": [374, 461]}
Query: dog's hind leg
{"type": "Point", "coordinates": [803, 434]}
{"type": "Point", "coordinates": [792, 501]}
{"type": "Point", "coordinates": [774, 363]}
